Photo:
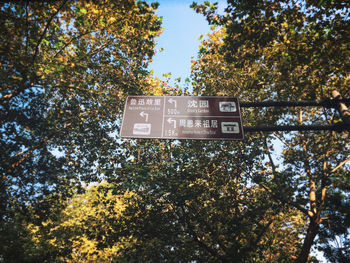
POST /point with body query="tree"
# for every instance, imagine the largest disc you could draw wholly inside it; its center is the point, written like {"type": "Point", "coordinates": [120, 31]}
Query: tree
{"type": "Point", "coordinates": [198, 202]}
{"type": "Point", "coordinates": [91, 228]}
{"type": "Point", "coordinates": [178, 201]}
{"type": "Point", "coordinates": [287, 50]}
{"type": "Point", "coordinates": [65, 68]}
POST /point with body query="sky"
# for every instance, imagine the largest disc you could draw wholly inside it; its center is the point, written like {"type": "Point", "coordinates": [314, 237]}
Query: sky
{"type": "Point", "coordinates": [182, 27]}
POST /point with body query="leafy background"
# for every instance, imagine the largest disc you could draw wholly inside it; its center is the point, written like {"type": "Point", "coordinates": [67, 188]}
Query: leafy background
{"type": "Point", "coordinates": [72, 191]}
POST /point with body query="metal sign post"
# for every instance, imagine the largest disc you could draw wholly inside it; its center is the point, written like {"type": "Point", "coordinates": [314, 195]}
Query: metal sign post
{"type": "Point", "coordinates": [182, 117]}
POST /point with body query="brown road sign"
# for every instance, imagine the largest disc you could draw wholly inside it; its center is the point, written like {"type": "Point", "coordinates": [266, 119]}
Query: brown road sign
{"type": "Point", "coordinates": [182, 117]}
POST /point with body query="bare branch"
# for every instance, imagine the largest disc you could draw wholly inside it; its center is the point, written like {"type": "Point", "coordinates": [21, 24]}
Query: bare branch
{"type": "Point", "coordinates": [269, 155]}
{"type": "Point", "coordinates": [340, 165]}
{"type": "Point", "coordinates": [281, 139]}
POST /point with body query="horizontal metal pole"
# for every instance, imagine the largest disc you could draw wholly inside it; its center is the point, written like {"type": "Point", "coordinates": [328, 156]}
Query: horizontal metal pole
{"type": "Point", "coordinates": [336, 127]}
{"type": "Point", "coordinates": [328, 103]}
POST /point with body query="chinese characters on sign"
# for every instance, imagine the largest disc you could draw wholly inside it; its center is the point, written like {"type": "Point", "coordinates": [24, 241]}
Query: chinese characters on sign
{"type": "Point", "coordinates": [180, 117]}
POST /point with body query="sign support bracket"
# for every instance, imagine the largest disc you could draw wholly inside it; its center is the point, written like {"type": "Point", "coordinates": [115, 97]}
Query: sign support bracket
{"type": "Point", "coordinates": [337, 102]}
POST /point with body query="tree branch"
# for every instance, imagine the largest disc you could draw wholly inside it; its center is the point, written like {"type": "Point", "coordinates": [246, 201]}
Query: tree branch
{"type": "Point", "coordinates": [45, 30]}
{"type": "Point", "coordinates": [340, 165]}
{"type": "Point", "coordinates": [269, 155]}
{"type": "Point", "coordinates": [198, 240]}
{"type": "Point", "coordinates": [26, 153]}
{"type": "Point", "coordinates": [27, 28]}
{"type": "Point", "coordinates": [284, 201]}
{"type": "Point", "coordinates": [263, 231]}
{"type": "Point", "coordinates": [70, 41]}
{"type": "Point", "coordinates": [281, 139]}
{"type": "Point", "coordinates": [279, 198]}
{"type": "Point", "coordinates": [23, 86]}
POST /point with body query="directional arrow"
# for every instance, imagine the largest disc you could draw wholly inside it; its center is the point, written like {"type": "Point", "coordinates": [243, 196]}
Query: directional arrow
{"type": "Point", "coordinates": [144, 115]}
{"type": "Point", "coordinates": [172, 101]}
{"type": "Point", "coordinates": [170, 120]}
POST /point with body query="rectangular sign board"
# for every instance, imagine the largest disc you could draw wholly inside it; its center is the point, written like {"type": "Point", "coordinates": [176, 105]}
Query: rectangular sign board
{"type": "Point", "coordinates": [182, 117]}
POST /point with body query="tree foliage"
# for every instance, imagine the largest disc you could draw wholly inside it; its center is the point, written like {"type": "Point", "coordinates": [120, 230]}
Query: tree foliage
{"type": "Point", "coordinates": [65, 68]}
{"type": "Point", "coordinates": [172, 201]}
{"type": "Point", "coordinates": [203, 205]}
{"type": "Point", "coordinates": [288, 50]}
{"type": "Point", "coordinates": [91, 228]}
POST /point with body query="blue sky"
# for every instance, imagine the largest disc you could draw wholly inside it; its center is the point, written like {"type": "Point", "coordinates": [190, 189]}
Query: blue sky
{"type": "Point", "coordinates": [182, 28]}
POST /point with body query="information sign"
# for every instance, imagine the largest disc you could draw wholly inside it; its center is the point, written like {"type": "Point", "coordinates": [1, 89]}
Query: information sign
{"type": "Point", "coordinates": [182, 117]}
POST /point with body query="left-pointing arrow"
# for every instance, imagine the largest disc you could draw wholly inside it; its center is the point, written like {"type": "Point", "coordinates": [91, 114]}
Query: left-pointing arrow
{"type": "Point", "coordinates": [172, 101]}
{"type": "Point", "coordinates": [144, 115]}
{"type": "Point", "coordinates": [171, 121]}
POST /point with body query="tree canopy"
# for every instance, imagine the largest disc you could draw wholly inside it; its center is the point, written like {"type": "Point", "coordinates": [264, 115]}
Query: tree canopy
{"type": "Point", "coordinates": [65, 68]}
{"type": "Point", "coordinates": [289, 50]}
{"type": "Point", "coordinates": [72, 191]}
